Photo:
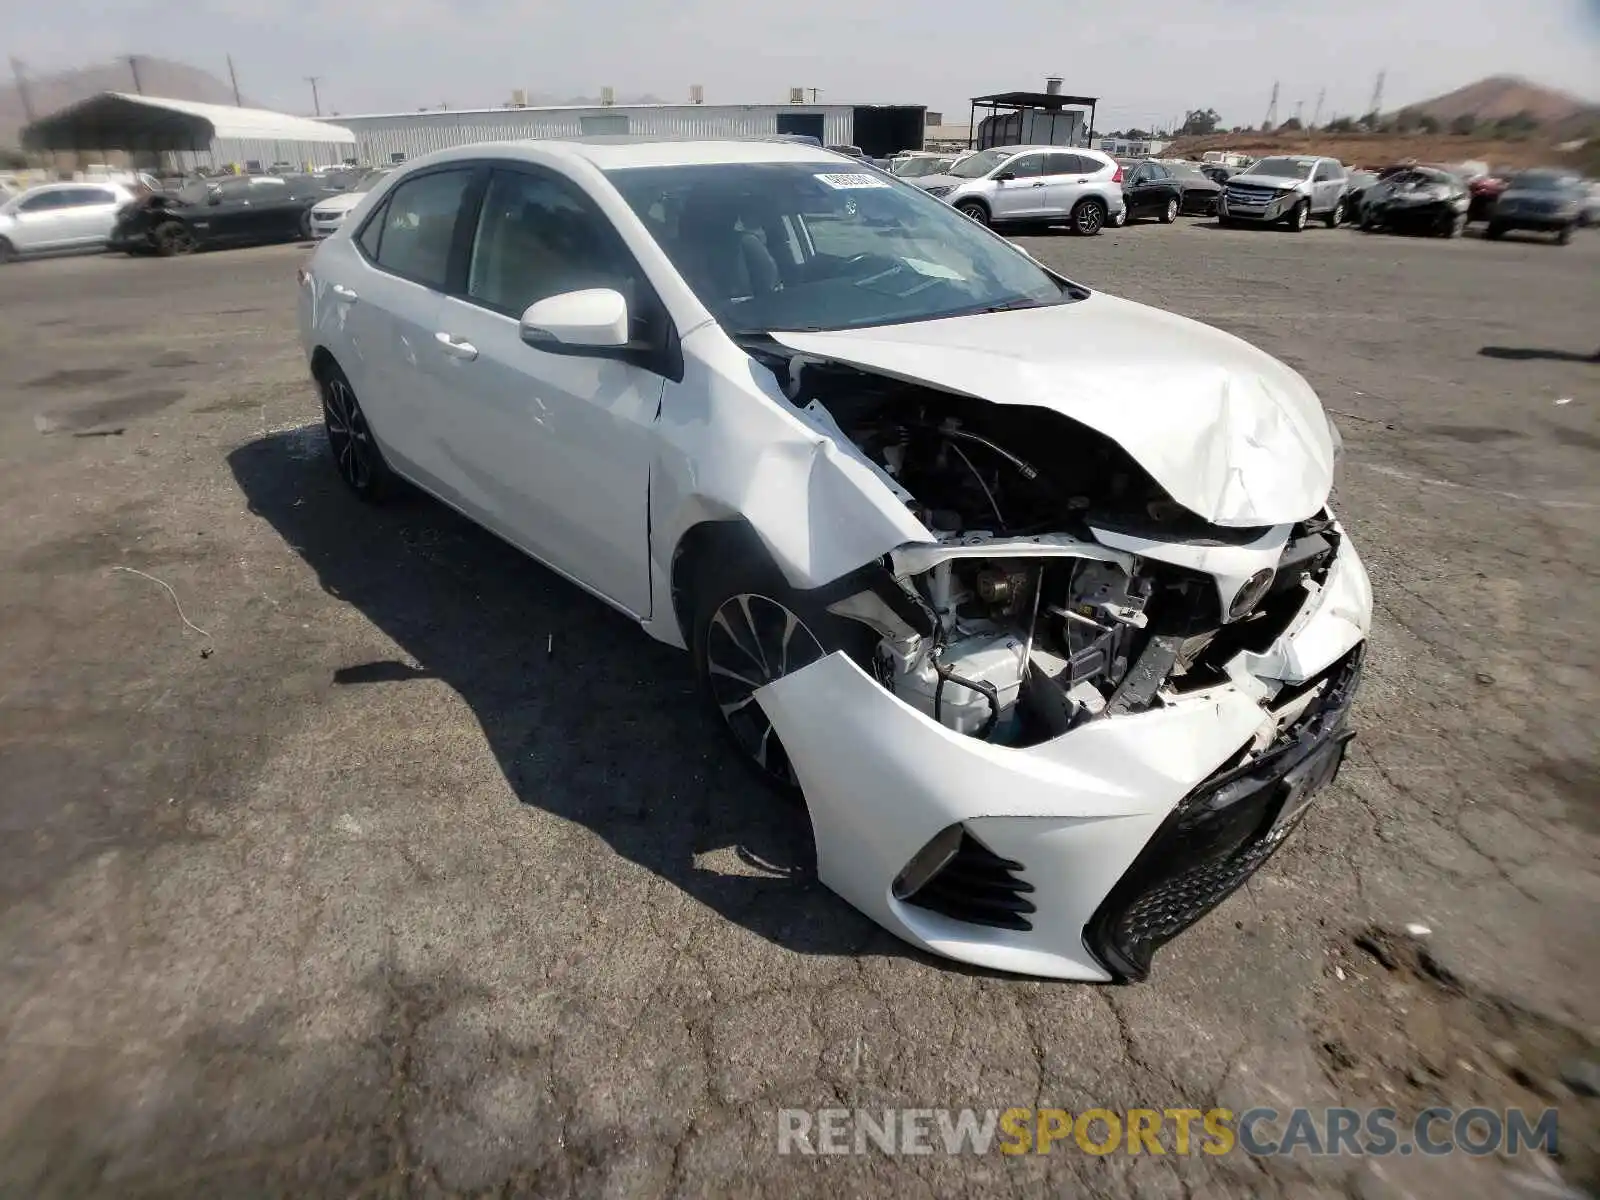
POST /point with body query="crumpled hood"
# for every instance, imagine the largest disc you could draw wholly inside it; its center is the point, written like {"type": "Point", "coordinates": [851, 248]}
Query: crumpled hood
{"type": "Point", "coordinates": [1230, 432]}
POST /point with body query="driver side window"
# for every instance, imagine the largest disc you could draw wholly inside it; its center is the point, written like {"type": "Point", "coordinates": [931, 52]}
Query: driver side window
{"type": "Point", "coordinates": [1024, 166]}
{"type": "Point", "coordinates": [539, 236]}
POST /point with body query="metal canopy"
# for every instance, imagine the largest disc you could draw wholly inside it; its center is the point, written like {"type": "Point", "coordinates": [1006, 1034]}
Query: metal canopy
{"type": "Point", "coordinates": [1052, 102]}
{"type": "Point", "coordinates": [120, 121]}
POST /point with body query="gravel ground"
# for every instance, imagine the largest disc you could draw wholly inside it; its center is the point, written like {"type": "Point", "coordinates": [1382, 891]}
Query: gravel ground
{"type": "Point", "coordinates": [420, 872]}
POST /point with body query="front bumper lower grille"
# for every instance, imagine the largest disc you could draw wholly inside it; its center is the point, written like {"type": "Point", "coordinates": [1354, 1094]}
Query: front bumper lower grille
{"type": "Point", "coordinates": [979, 887]}
{"type": "Point", "coordinates": [1219, 834]}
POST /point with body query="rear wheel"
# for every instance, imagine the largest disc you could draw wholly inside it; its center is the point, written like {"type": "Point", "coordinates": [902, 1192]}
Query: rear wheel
{"type": "Point", "coordinates": [173, 238]}
{"type": "Point", "coordinates": [1088, 217]}
{"type": "Point", "coordinates": [355, 454]}
{"type": "Point", "coordinates": [751, 628]}
{"type": "Point", "coordinates": [1169, 214]}
{"type": "Point", "coordinates": [974, 210]}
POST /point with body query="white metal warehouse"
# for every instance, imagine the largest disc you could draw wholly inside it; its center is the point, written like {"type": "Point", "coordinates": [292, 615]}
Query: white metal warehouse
{"type": "Point", "coordinates": [395, 137]}
{"type": "Point", "coordinates": [189, 134]}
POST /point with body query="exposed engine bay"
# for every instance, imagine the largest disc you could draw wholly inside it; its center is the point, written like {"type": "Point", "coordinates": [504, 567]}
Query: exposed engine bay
{"type": "Point", "coordinates": [1022, 623]}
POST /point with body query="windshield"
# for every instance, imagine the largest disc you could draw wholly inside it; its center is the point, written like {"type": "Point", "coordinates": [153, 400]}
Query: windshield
{"type": "Point", "coordinates": [801, 246]}
{"type": "Point", "coordinates": [916, 168]}
{"type": "Point", "coordinates": [980, 164]}
{"type": "Point", "coordinates": [1185, 170]}
{"type": "Point", "coordinates": [1283, 168]}
{"type": "Point", "coordinates": [1540, 181]}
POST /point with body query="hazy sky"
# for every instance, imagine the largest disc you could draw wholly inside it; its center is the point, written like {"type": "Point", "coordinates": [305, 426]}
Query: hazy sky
{"type": "Point", "coordinates": [1148, 60]}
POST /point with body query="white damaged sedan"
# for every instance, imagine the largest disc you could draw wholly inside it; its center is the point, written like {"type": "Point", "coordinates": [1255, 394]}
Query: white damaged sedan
{"type": "Point", "coordinates": [1033, 594]}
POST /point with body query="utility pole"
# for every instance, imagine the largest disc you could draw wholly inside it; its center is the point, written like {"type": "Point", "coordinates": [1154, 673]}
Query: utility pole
{"type": "Point", "coordinates": [1272, 110]}
{"type": "Point", "coordinates": [1299, 107]}
{"type": "Point", "coordinates": [22, 89]}
{"type": "Point", "coordinates": [1376, 106]}
{"type": "Point", "coordinates": [813, 92]}
{"type": "Point", "coordinates": [234, 76]}
{"type": "Point", "coordinates": [1317, 115]}
{"type": "Point", "coordinates": [316, 99]}
{"type": "Point", "coordinates": [133, 65]}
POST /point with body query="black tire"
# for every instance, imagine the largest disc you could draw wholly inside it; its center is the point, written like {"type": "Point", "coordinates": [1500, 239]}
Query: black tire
{"type": "Point", "coordinates": [1336, 218]}
{"type": "Point", "coordinates": [749, 628]}
{"type": "Point", "coordinates": [305, 226]}
{"type": "Point", "coordinates": [1564, 236]}
{"type": "Point", "coordinates": [974, 210]}
{"type": "Point", "coordinates": [355, 452]}
{"type": "Point", "coordinates": [1494, 232]}
{"type": "Point", "coordinates": [173, 238]}
{"type": "Point", "coordinates": [1169, 214]}
{"type": "Point", "coordinates": [1088, 217]}
{"type": "Point", "coordinates": [1227, 223]}
{"type": "Point", "coordinates": [8, 252]}
{"type": "Point", "coordinates": [1299, 217]}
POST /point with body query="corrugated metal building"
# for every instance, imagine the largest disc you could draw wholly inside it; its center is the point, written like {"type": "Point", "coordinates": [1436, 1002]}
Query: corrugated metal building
{"type": "Point", "coordinates": [394, 137]}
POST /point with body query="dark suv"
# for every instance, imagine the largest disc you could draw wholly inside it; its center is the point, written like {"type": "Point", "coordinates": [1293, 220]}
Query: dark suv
{"type": "Point", "coordinates": [1544, 201]}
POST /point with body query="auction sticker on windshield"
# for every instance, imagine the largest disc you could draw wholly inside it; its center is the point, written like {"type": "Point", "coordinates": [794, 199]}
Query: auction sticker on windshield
{"type": "Point", "coordinates": [852, 181]}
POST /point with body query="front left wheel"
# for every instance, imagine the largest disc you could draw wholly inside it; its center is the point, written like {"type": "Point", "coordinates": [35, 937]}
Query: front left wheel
{"type": "Point", "coordinates": [8, 252]}
{"type": "Point", "coordinates": [173, 238]}
{"type": "Point", "coordinates": [751, 628]}
{"type": "Point", "coordinates": [1336, 217]}
{"type": "Point", "coordinates": [355, 453]}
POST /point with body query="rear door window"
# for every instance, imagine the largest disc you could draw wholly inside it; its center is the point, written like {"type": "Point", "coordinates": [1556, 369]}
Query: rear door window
{"type": "Point", "coordinates": [419, 223]}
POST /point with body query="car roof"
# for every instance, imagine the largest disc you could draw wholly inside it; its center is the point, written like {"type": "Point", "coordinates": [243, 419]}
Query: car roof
{"type": "Point", "coordinates": [614, 153]}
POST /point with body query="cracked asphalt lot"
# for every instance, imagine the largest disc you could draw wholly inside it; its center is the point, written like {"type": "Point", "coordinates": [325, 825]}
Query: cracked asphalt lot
{"type": "Point", "coordinates": [420, 873]}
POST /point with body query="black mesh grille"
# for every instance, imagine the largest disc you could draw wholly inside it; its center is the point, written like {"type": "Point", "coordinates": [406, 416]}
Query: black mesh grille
{"type": "Point", "coordinates": [979, 887]}
{"type": "Point", "coordinates": [1215, 838]}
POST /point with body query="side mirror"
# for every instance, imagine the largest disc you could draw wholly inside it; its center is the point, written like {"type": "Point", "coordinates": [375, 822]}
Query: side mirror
{"type": "Point", "coordinates": [593, 319]}
{"type": "Point", "coordinates": [1005, 177]}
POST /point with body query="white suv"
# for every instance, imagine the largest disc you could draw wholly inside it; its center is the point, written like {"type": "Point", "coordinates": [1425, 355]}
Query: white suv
{"type": "Point", "coordinates": [1035, 184]}
{"type": "Point", "coordinates": [1286, 189]}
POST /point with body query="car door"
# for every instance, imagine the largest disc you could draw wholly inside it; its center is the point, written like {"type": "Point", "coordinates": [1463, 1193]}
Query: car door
{"type": "Point", "coordinates": [42, 221]}
{"type": "Point", "coordinates": [552, 450]}
{"type": "Point", "coordinates": [1021, 195]}
{"type": "Point", "coordinates": [1327, 182]}
{"type": "Point", "coordinates": [89, 214]}
{"type": "Point", "coordinates": [1064, 178]}
{"type": "Point", "coordinates": [389, 308]}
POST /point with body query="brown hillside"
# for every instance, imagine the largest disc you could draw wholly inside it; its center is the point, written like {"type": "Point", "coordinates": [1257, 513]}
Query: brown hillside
{"type": "Point", "coordinates": [159, 77]}
{"type": "Point", "coordinates": [1502, 96]}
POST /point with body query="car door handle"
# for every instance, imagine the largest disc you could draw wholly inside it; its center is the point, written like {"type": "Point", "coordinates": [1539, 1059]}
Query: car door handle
{"type": "Point", "coordinates": [344, 293]}
{"type": "Point", "coordinates": [455, 347]}
{"type": "Point", "coordinates": [1040, 184]}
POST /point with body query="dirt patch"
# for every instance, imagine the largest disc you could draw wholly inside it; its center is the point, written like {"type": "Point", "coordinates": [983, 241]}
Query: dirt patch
{"type": "Point", "coordinates": [1473, 435]}
{"type": "Point", "coordinates": [1401, 1029]}
{"type": "Point", "coordinates": [116, 411]}
{"type": "Point", "coordinates": [174, 358]}
{"type": "Point", "coordinates": [76, 377]}
{"type": "Point", "coordinates": [1568, 436]}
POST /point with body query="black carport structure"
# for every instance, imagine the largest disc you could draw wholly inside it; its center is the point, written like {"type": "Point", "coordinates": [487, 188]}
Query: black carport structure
{"type": "Point", "coordinates": [155, 125]}
{"type": "Point", "coordinates": [1053, 103]}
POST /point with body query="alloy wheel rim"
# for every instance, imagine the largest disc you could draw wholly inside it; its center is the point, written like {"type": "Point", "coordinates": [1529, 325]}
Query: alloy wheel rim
{"type": "Point", "coordinates": [179, 240]}
{"type": "Point", "coordinates": [751, 641]}
{"type": "Point", "coordinates": [1172, 210]}
{"type": "Point", "coordinates": [1088, 218]}
{"type": "Point", "coordinates": [348, 435]}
